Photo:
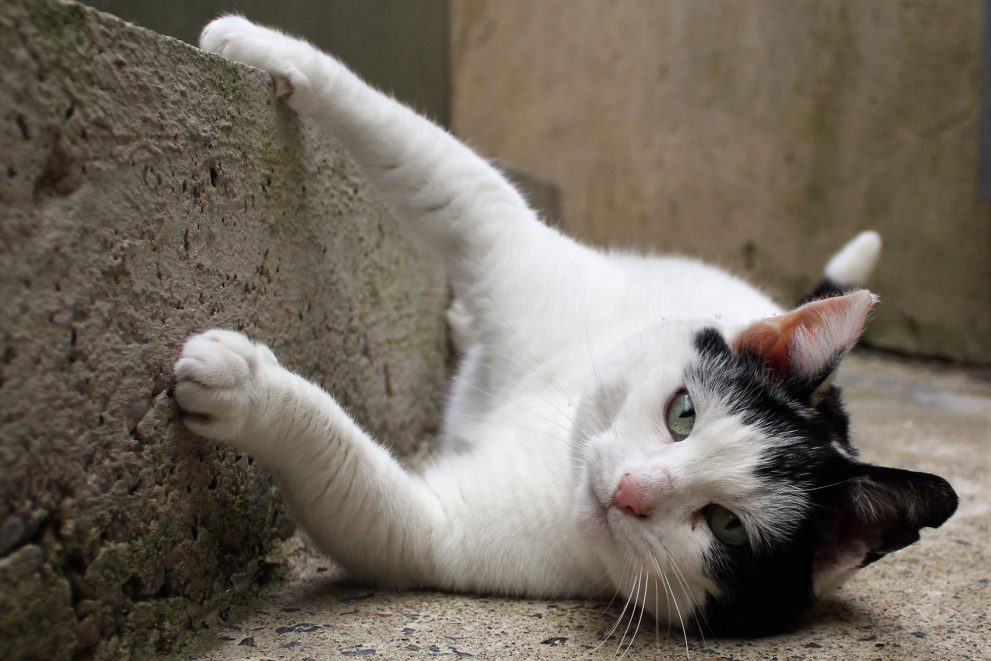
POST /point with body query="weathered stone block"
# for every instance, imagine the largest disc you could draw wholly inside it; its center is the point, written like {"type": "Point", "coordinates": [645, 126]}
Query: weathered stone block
{"type": "Point", "coordinates": [147, 190]}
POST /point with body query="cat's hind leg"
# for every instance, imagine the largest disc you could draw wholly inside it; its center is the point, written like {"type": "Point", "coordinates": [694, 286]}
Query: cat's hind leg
{"type": "Point", "coordinates": [354, 499]}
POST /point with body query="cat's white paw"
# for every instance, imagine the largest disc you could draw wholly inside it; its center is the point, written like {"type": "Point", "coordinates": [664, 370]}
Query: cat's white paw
{"type": "Point", "coordinates": [221, 383]}
{"type": "Point", "coordinates": [238, 39]}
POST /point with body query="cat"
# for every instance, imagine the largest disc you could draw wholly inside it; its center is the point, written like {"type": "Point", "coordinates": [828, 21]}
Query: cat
{"type": "Point", "coordinates": [651, 426]}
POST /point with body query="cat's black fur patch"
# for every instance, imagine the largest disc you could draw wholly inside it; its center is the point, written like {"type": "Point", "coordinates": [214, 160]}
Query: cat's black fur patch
{"type": "Point", "coordinates": [825, 288]}
{"type": "Point", "coordinates": [807, 422]}
{"type": "Point", "coordinates": [768, 590]}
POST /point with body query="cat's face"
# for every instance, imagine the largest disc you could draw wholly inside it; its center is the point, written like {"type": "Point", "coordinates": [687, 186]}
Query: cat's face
{"type": "Point", "coordinates": [716, 480]}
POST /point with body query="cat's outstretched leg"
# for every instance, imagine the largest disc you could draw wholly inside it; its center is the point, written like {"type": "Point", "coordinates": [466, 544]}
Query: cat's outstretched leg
{"type": "Point", "coordinates": [497, 252]}
{"type": "Point", "coordinates": [451, 197]}
{"type": "Point", "coordinates": [347, 491]}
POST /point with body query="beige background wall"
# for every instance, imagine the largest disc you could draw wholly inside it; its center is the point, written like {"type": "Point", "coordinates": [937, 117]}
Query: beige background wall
{"type": "Point", "coordinates": [760, 135]}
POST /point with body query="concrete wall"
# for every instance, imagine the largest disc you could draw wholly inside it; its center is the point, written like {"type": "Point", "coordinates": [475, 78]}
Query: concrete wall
{"type": "Point", "coordinates": [757, 134]}
{"type": "Point", "coordinates": [147, 190]}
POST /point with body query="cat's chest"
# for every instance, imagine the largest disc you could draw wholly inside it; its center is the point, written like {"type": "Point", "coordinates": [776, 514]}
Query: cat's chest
{"type": "Point", "coordinates": [488, 543]}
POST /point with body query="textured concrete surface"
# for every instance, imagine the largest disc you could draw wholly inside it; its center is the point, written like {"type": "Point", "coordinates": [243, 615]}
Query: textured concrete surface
{"type": "Point", "coordinates": [759, 134]}
{"type": "Point", "coordinates": [928, 601]}
{"type": "Point", "coordinates": [147, 190]}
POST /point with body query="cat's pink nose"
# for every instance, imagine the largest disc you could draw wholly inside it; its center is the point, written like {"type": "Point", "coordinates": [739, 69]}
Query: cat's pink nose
{"type": "Point", "coordinates": [632, 497]}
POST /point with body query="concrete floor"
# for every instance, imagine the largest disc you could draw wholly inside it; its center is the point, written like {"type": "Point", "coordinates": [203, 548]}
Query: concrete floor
{"type": "Point", "coordinates": [929, 601]}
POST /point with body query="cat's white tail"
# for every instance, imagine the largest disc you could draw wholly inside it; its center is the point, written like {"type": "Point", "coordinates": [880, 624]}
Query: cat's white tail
{"type": "Point", "coordinates": [850, 268]}
{"type": "Point", "coordinates": [854, 263]}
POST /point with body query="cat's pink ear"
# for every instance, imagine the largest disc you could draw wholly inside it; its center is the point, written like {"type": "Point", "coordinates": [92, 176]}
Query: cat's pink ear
{"type": "Point", "coordinates": [876, 511]}
{"type": "Point", "coordinates": [808, 341]}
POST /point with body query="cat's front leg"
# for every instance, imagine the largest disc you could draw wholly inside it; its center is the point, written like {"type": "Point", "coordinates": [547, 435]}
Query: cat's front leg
{"type": "Point", "coordinates": [450, 198]}
{"type": "Point", "coordinates": [352, 497]}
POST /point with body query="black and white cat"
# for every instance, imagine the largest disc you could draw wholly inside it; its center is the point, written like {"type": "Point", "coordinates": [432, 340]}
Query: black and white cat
{"type": "Point", "coordinates": [703, 468]}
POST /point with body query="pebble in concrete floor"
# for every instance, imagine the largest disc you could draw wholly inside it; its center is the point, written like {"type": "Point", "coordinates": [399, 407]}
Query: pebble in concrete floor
{"type": "Point", "coordinates": [929, 601]}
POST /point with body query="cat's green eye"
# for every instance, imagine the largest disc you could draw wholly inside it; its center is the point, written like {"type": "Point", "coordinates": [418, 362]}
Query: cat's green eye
{"type": "Point", "coordinates": [681, 415]}
{"type": "Point", "coordinates": [726, 526]}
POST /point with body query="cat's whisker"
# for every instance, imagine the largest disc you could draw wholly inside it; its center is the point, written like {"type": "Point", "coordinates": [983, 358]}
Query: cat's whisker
{"type": "Point", "coordinates": [826, 486]}
{"type": "Point", "coordinates": [678, 574]}
{"type": "Point", "coordinates": [562, 439]}
{"type": "Point", "coordinates": [515, 360]}
{"type": "Point", "coordinates": [565, 427]}
{"type": "Point", "coordinates": [629, 568]}
{"type": "Point", "coordinates": [657, 626]}
{"type": "Point", "coordinates": [667, 599]}
{"type": "Point", "coordinates": [634, 595]}
{"type": "Point", "coordinates": [633, 638]}
{"type": "Point", "coordinates": [569, 416]}
{"type": "Point", "coordinates": [677, 608]}
{"type": "Point", "coordinates": [683, 581]}
{"type": "Point", "coordinates": [630, 605]}
{"type": "Point", "coordinates": [604, 583]}
{"type": "Point", "coordinates": [689, 596]}
{"type": "Point", "coordinates": [595, 367]}
{"type": "Point", "coordinates": [566, 416]}
{"type": "Point", "coordinates": [681, 620]}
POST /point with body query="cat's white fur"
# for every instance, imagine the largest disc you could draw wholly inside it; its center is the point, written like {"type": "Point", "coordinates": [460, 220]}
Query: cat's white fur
{"type": "Point", "coordinates": [853, 264]}
{"type": "Point", "coordinates": [569, 356]}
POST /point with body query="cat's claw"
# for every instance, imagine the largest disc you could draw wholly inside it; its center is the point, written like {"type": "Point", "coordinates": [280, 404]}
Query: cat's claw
{"type": "Point", "coordinates": [220, 382]}
{"type": "Point", "coordinates": [238, 39]}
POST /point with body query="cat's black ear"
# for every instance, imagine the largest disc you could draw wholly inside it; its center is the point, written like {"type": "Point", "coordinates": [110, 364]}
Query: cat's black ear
{"type": "Point", "coordinates": [877, 511]}
{"type": "Point", "coordinates": [807, 343]}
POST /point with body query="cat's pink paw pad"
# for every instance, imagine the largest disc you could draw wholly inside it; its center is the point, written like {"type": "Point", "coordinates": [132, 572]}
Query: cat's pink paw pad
{"type": "Point", "coordinates": [218, 382]}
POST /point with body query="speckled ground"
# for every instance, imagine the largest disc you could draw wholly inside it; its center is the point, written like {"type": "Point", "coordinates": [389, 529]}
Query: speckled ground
{"type": "Point", "coordinates": [929, 601]}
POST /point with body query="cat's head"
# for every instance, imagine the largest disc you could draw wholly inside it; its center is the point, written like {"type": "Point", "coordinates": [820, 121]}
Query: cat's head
{"type": "Point", "coordinates": [716, 477]}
